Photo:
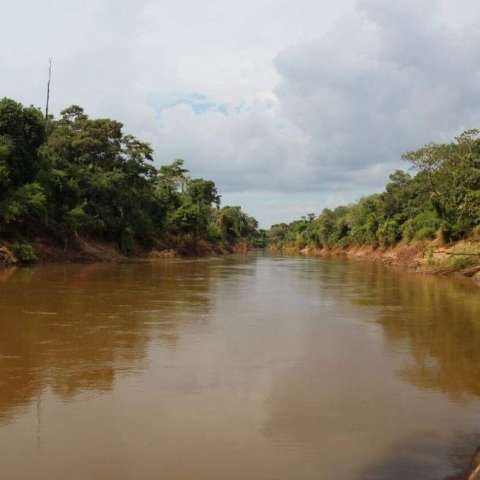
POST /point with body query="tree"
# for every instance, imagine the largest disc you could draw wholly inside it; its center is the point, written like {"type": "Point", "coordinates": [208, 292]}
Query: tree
{"type": "Point", "coordinates": [22, 199]}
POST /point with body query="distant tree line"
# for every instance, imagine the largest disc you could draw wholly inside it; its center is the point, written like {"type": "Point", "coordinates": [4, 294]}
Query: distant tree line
{"type": "Point", "coordinates": [440, 198]}
{"type": "Point", "coordinates": [86, 178]}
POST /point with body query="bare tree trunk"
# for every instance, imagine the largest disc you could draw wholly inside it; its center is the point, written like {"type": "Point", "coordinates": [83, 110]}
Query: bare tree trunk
{"type": "Point", "coordinates": [48, 91]}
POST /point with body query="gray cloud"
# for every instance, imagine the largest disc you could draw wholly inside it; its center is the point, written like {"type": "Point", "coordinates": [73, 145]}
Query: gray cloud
{"type": "Point", "coordinates": [388, 78]}
{"type": "Point", "coordinates": [286, 107]}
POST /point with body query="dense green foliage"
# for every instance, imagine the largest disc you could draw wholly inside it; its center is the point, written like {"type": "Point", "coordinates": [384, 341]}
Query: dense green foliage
{"type": "Point", "coordinates": [442, 197]}
{"type": "Point", "coordinates": [85, 177]}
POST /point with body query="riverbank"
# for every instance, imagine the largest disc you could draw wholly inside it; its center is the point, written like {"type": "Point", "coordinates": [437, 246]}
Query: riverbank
{"type": "Point", "coordinates": [460, 258]}
{"type": "Point", "coordinates": [83, 250]}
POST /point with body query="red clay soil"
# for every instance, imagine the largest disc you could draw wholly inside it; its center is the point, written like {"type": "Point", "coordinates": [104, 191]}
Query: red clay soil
{"type": "Point", "coordinates": [80, 250]}
{"type": "Point", "coordinates": [7, 257]}
{"type": "Point", "coordinates": [406, 255]}
{"type": "Point", "coordinates": [83, 250]}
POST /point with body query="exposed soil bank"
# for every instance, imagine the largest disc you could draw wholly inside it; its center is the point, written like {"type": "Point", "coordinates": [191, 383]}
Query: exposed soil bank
{"type": "Point", "coordinates": [86, 250]}
{"type": "Point", "coordinates": [461, 258]}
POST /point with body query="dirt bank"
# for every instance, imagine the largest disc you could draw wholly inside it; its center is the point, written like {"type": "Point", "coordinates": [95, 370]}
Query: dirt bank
{"type": "Point", "coordinates": [460, 258]}
{"type": "Point", "coordinates": [83, 250]}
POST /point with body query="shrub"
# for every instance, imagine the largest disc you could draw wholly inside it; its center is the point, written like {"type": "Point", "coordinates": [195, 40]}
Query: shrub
{"type": "Point", "coordinates": [461, 262]}
{"type": "Point", "coordinates": [389, 233]}
{"type": "Point", "coordinates": [24, 252]}
{"type": "Point", "coordinates": [423, 226]}
{"type": "Point", "coordinates": [425, 233]}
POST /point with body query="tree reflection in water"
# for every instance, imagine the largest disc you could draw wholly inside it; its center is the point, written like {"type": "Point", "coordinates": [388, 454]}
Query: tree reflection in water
{"type": "Point", "coordinates": [75, 328]}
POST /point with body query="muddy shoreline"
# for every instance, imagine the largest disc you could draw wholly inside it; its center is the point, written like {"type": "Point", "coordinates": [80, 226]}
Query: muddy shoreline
{"type": "Point", "coordinates": [420, 257]}
{"type": "Point", "coordinates": [91, 251]}
{"type": "Point", "coordinates": [429, 258]}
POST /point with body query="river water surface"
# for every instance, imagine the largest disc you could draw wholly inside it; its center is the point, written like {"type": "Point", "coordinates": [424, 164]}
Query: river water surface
{"type": "Point", "coordinates": [254, 367]}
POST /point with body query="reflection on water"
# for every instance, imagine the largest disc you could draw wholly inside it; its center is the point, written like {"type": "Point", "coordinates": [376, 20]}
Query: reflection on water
{"type": "Point", "coordinates": [243, 367]}
{"type": "Point", "coordinates": [436, 320]}
{"type": "Point", "coordinates": [74, 328]}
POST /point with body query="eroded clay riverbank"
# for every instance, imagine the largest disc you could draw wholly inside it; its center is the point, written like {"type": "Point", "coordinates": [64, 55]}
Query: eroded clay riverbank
{"type": "Point", "coordinates": [458, 259]}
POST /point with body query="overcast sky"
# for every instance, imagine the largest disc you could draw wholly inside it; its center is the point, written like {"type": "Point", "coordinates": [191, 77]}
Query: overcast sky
{"type": "Point", "coordinates": [289, 106]}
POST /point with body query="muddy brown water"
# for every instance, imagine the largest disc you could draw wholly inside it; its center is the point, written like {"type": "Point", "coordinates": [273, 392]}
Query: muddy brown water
{"type": "Point", "coordinates": [256, 367]}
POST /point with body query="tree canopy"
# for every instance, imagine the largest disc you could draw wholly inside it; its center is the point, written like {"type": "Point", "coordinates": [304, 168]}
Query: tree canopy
{"type": "Point", "coordinates": [441, 196]}
{"type": "Point", "coordinates": [79, 176]}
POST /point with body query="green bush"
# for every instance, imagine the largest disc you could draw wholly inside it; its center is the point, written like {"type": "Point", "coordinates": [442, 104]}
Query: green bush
{"type": "Point", "coordinates": [423, 226]}
{"type": "Point", "coordinates": [24, 252]}
{"type": "Point", "coordinates": [425, 233]}
{"type": "Point", "coordinates": [461, 262]}
{"type": "Point", "coordinates": [389, 233]}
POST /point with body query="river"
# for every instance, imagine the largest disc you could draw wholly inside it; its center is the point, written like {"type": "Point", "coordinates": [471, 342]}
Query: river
{"type": "Point", "coordinates": [257, 367]}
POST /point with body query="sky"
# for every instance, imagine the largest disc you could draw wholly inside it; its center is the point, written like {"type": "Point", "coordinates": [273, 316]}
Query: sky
{"type": "Point", "coordinates": [289, 106]}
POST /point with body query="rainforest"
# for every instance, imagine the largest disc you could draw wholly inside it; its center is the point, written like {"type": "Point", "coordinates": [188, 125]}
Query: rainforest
{"type": "Point", "coordinates": [70, 181]}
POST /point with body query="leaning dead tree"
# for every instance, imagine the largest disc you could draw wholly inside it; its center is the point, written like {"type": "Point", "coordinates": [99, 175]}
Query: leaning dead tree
{"type": "Point", "coordinates": [48, 90]}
